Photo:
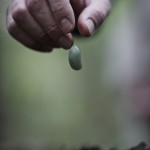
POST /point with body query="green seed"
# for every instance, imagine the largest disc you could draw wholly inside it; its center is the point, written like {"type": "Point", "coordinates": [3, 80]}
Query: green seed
{"type": "Point", "coordinates": [75, 58]}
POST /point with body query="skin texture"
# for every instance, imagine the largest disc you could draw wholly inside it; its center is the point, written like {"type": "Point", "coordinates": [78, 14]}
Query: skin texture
{"type": "Point", "coordinates": [46, 24]}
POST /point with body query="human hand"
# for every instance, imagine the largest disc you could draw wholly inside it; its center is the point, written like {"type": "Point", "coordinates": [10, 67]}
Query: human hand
{"type": "Point", "coordinates": [46, 24]}
{"type": "Point", "coordinates": [90, 14]}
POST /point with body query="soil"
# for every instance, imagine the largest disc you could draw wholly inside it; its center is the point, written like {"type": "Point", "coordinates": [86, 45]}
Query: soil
{"type": "Point", "coordinates": [141, 146]}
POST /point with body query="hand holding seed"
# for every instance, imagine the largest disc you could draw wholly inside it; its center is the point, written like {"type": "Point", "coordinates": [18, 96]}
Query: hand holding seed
{"type": "Point", "coordinates": [43, 25]}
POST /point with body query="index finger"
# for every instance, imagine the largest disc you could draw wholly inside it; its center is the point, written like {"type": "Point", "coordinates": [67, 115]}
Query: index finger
{"type": "Point", "coordinates": [63, 14]}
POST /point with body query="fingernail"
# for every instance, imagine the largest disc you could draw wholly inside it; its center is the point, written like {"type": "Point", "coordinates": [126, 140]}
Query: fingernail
{"type": "Point", "coordinates": [65, 42]}
{"type": "Point", "coordinates": [66, 25]}
{"type": "Point", "coordinates": [91, 26]}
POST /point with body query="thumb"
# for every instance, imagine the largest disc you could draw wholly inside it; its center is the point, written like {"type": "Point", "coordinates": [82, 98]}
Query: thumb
{"type": "Point", "coordinates": [92, 17]}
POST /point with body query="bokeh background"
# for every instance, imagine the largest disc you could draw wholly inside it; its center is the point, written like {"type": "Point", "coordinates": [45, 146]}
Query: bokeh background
{"type": "Point", "coordinates": [42, 100]}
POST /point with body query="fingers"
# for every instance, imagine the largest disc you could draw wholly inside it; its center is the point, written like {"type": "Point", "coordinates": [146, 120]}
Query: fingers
{"type": "Point", "coordinates": [63, 13]}
{"type": "Point", "coordinates": [41, 11]}
{"type": "Point", "coordinates": [32, 23]}
{"type": "Point", "coordinates": [93, 16]}
{"type": "Point", "coordinates": [24, 19]}
{"type": "Point", "coordinates": [25, 39]}
{"type": "Point", "coordinates": [50, 22]}
{"type": "Point", "coordinates": [21, 36]}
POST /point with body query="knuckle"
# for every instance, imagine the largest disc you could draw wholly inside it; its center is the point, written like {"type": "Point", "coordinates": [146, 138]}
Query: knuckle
{"type": "Point", "coordinates": [33, 4]}
{"type": "Point", "coordinates": [51, 28]}
{"type": "Point", "coordinates": [11, 26]}
{"type": "Point", "coordinates": [19, 13]}
{"type": "Point", "coordinates": [59, 10]}
{"type": "Point", "coordinates": [57, 6]}
{"type": "Point", "coordinates": [53, 31]}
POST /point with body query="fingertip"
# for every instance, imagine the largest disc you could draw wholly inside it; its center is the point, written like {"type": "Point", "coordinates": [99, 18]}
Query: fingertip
{"type": "Point", "coordinates": [86, 28]}
{"type": "Point", "coordinates": [92, 17]}
{"type": "Point", "coordinates": [66, 41]}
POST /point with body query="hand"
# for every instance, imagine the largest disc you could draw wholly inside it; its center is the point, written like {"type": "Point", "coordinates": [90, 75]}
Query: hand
{"type": "Point", "coordinates": [46, 24]}
{"type": "Point", "coordinates": [90, 14]}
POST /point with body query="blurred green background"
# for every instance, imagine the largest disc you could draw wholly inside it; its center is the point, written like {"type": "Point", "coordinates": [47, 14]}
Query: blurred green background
{"type": "Point", "coordinates": [43, 99]}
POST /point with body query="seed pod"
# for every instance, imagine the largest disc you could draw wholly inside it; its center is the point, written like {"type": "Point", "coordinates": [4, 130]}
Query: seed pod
{"type": "Point", "coordinates": [75, 58]}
